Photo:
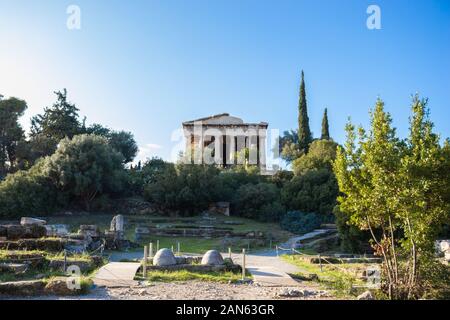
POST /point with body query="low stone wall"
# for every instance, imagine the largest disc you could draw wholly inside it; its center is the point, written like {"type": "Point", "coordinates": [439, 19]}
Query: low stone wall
{"type": "Point", "coordinates": [49, 244]}
{"type": "Point", "coordinates": [197, 232]}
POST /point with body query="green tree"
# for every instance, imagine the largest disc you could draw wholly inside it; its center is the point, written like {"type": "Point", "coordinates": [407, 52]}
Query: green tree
{"type": "Point", "coordinates": [321, 155]}
{"type": "Point", "coordinates": [11, 132]}
{"type": "Point", "coordinates": [314, 191]}
{"type": "Point", "coordinates": [84, 168]}
{"type": "Point", "coordinates": [393, 189]}
{"type": "Point", "coordinates": [304, 132]}
{"type": "Point", "coordinates": [325, 128]}
{"type": "Point", "coordinates": [58, 121]}
{"type": "Point", "coordinates": [27, 193]}
{"type": "Point", "coordinates": [124, 142]}
{"type": "Point", "coordinates": [258, 201]}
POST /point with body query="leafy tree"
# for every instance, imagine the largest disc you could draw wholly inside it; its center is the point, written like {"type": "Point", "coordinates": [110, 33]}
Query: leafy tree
{"type": "Point", "coordinates": [39, 146]}
{"type": "Point", "coordinates": [27, 193]}
{"type": "Point", "coordinates": [258, 201]}
{"type": "Point", "coordinates": [85, 167]}
{"type": "Point", "coordinates": [58, 121]}
{"type": "Point", "coordinates": [11, 132]}
{"type": "Point", "coordinates": [396, 188]}
{"type": "Point", "coordinates": [122, 141]}
{"type": "Point", "coordinates": [314, 191]}
{"type": "Point", "coordinates": [325, 127]}
{"type": "Point", "coordinates": [321, 155]}
{"type": "Point", "coordinates": [304, 132]}
{"type": "Point", "coordinates": [184, 188]}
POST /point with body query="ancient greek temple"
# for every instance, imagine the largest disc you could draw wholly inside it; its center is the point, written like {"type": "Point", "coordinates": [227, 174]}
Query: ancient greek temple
{"type": "Point", "coordinates": [225, 140]}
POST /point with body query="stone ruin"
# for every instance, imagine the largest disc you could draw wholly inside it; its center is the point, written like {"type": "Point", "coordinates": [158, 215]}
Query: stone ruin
{"type": "Point", "coordinates": [36, 234]}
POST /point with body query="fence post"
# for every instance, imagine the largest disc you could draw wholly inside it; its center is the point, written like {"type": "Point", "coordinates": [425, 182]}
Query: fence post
{"type": "Point", "coordinates": [150, 250]}
{"type": "Point", "coordinates": [65, 260]}
{"type": "Point", "coordinates": [178, 247]}
{"type": "Point", "coordinates": [144, 264]}
{"type": "Point", "coordinates": [172, 249]}
{"type": "Point", "coordinates": [270, 244]}
{"type": "Point", "coordinates": [276, 248]}
{"type": "Point", "coordinates": [229, 252]}
{"type": "Point", "coordinates": [243, 264]}
{"type": "Point", "coordinates": [320, 263]}
{"type": "Point", "coordinates": [157, 245]}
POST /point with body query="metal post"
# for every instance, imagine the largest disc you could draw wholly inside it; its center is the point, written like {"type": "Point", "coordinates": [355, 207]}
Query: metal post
{"type": "Point", "coordinates": [320, 263]}
{"type": "Point", "coordinates": [243, 264]}
{"type": "Point", "coordinates": [144, 263]}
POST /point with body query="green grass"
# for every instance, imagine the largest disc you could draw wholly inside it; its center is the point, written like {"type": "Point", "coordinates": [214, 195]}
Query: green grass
{"type": "Point", "coordinates": [185, 275]}
{"type": "Point", "coordinates": [330, 277]}
{"type": "Point", "coordinates": [43, 272]}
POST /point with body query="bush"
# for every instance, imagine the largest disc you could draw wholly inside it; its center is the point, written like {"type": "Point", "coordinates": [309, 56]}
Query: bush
{"type": "Point", "coordinates": [186, 188]}
{"type": "Point", "coordinates": [27, 193]}
{"type": "Point", "coordinates": [315, 191]}
{"type": "Point", "coordinates": [258, 201]}
{"type": "Point", "coordinates": [300, 222]}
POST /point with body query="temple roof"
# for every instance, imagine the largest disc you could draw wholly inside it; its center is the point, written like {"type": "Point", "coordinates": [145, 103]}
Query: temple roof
{"type": "Point", "coordinates": [222, 119]}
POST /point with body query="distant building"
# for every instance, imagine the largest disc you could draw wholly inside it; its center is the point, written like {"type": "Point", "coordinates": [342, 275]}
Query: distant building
{"type": "Point", "coordinates": [225, 140]}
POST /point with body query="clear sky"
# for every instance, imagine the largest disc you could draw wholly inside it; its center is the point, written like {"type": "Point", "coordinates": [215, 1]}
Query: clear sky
{"type": "Point", "coordinates": [146, 66]}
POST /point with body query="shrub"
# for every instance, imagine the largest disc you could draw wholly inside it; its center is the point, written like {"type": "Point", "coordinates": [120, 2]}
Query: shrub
{"type": "Point", "coordinates": [258, 201]}
{"type": "Point", "coordinates": [300, 222]}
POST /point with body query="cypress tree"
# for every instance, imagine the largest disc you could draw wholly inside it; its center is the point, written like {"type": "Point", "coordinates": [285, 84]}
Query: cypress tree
{"type": "Point", "coordinates": [325, 128]}
{"type": "Point", "coordinates": [304, 133]}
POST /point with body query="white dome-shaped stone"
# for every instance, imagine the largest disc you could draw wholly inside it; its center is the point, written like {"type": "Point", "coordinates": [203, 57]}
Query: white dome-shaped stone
{"type": "Point", "coordinates": [212, 258]}
{"type": "Point", "coordinates": [164, 257]}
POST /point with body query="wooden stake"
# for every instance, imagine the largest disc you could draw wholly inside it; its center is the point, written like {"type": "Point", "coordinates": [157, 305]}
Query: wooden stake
{"type": "Point", "coordinates": [144, 263]}
{"type": "Point", "coordinates": [243, 264]}
{"type": "Point", "coordinates": [178, 247]}
{"type": "Point", "coordinates": [157, 245]}
{"type": "Point", "coordinates": [229, 252]}
{"type": "Point", "coordinates": [320, 263]}
{"type": "Point", "coordinates": [150, 250]}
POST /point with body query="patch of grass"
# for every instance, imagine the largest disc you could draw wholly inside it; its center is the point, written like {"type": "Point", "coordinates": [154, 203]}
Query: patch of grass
{"type": "Point", "coordinates": [185, 275]}
{"type": "Point", "coordinates": [330, 277]}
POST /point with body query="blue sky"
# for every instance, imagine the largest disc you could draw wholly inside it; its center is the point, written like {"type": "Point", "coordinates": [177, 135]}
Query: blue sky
{"type": "Point", "coordinates": [146, 66]}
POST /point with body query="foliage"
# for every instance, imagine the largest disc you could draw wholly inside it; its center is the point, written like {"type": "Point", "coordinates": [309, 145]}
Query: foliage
{"type": "Point", "coordinates": [124, 143]}
{"type": "Point", "coordinates": [11, 132]}
{"type": "Point", "coordinates": [321, 155]}
{"type": "Point", "coordinates": [301, 222]}
{"type": "Point", "coordinates": [185, 188]}
{"type": "Point", "coordinates": [258, 201]}
{"type": "Point", "coordinates": [351, 238]}
{"type": "Point", "coordinates": [399, 188]}
{"type": "Point", "coordinates": [85, 167]}
{"type": "Point", "coordinates": [304, 132]}
{"type": "Point", "coordinates": [315, 191]}
{"type": "Point", "coordinates": [27, 192]}
{"type": "Point", "coordinates": [325, 127]}
{"type": "Point", "coordinates": [58, 121]}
